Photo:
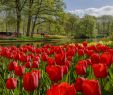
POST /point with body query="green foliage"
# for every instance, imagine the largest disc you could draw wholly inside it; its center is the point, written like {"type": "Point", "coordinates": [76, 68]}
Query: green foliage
{"type": "Point", "coordinates": [32, 16]}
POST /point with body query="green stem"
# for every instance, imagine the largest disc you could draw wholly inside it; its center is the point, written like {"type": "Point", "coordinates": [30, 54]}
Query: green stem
{"type": "Point", "coordinates": [31, 93]}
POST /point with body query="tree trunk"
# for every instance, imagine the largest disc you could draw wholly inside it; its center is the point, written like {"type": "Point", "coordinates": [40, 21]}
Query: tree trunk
{"type": "Point", "coordinates": [23, 29]}
{"type": "Point", "coordinates": [29, 18]}
{"type": "Point", "coordinates": [28, 26]}
{"type": "Point", "coordinates": [33, 27]}
{"type": "Point", "coordinates": [18, 24]}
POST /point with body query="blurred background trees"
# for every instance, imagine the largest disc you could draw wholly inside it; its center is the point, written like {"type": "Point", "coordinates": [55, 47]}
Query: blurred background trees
{"type": "Point", "coordinates": [30, 17]}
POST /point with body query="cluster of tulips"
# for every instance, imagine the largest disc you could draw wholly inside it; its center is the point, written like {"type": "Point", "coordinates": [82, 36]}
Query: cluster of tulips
{"type": "Point", "coordinates": [74, 69]}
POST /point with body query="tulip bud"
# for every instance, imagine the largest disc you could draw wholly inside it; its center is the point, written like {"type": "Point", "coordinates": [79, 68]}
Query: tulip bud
{"type": "Point", "coordinates": [30, 81]}
{"type": "Point", "coordinates": [11, 83]}
{"type": "Point", "coordinates": [12, 65]}
{"type": "Point", "coordinates": [19, 70]}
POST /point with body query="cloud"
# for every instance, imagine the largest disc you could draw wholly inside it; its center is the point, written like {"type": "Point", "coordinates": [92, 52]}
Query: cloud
{"type": "Point", "coordinates": [106, 10]}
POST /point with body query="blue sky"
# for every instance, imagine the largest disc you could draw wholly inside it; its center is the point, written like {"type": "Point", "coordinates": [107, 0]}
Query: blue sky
{"type": "Point", "coordinates": [81, 6]}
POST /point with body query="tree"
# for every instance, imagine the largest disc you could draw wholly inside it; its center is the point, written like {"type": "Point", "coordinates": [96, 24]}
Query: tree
{"type": "Point", "coordinates": [17, 6]}
{"type": "Point", "coordinates": [87, 26]}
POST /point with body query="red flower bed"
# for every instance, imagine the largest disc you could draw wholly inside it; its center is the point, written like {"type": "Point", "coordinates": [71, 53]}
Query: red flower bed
{"type": "Point", "coordinates": [76, 69]}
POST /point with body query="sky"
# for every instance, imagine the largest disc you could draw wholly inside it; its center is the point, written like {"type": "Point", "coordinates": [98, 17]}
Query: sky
{"type": "Point", "coordinates": [90, 7]}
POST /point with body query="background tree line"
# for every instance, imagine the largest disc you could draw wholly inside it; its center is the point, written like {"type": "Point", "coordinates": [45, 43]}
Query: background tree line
{"type": "Point", "coordinates": [30, 17]}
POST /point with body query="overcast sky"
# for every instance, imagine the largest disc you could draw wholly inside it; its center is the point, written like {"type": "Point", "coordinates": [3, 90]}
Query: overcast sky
{"type": "Point", "coordinates": [91, 7]}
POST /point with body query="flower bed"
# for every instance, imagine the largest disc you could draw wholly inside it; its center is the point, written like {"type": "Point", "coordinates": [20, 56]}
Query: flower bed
{"type": "Point", "coordinates": [74, 69]}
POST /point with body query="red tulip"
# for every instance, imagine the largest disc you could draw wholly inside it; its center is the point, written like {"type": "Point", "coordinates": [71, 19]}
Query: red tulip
{"type": "Point", "coordinates": [80, 70]}
{"type": "Point", "coordinates": [95, 58]}
{"type": "Point", "coordinates": [89, 61]}
{"type": "Point", "coordinates": [44, 57]}
{"type": "Point", "coordinates": [84, 43]}
{"type": "Point", "coordinates": [92, 47]}
{"type": "Point", "coordinates": [12, 65]}
{"type": "Point", "coordinates": [22, 57]}
{"type": "Point", "coordinates": [67, 63]}
{"type": "Point", "coordinates": [65, 69]}
{"type": "Point", "coordinates": [83, 63]}
{"type": "Point", "coordinates": [19, 70]}
{"type": "Point", "coordinates": [81, 52]}
{"type": "Point", "coordinates": [62, 89]}
{"type": "Point", "coordinates": [66, 89]}
{"type": "Point", "coordinates": [78, 84]}
{"type": "Point", "coordinates": [50, 61]}
{"type": "Point", "coordinates": [11, 83]}
{"type": "Point", "coordinates": [69, 58]}
{"type": "Point", "coordinates": [30, 81]}
{"type": "Point", "coordinates": [106, 58]}
{"type": "Point", "coordinates": [91, 87]}
{"type": "Point", "coordinates": [60, 59]}
{"type": "Point", "coordinates": [36, 58]}
{"type": "Point", "coordinates": [55, 73]}
{"type": "Point", "coordinates": [28, 64]}
{"type": "Point", "coordinates": [38, 72]}
{"type": "Point", "coordinates": [100, 70]}
{"type": "Point", "coordinates": [71, 52]}
{"type": "Point", "coordinates": [89, 52]}
{"type": "Point", "coordinates": [53, 90]}
{"type": "Point", "coordinates": [35, 64]}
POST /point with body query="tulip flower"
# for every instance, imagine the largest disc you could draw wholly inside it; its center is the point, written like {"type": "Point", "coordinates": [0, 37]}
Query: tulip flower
{"type": "Point", "coordinates": [82, 62]}
{"type": "Point", "coordinates": [38, 72]}
{"type": "Point", "coordinates": [81, 52]}
{"type": "Point", "coordinates": [30, 81]}
{"type": "Point", "coordinates": [55, 73]}
{"type": "Point", "coordinates": [78, 84]}
{"type": "Point", "coordinates": [100, 70]}
{"type": "Point", "coordinates": [60, 59]}
{"type": "Point", "coordinates": [28, 64]}
{"type": "Point", "coordinates": [95, 58]}
{"type": "Point", "coordinates": [71, 52]}
{"type": "Point", "coordinates": [62, 89]}
{"type": "Point", "coordinates": [12, 65]}
{"type": "Point", "coordinates": [89, 52]}
{"type": "Point", "coordinates": [67, 63]}
{"type": "Point", "coordinates": [65, 69]}
{"type": "Point", "coordinates": [80, 69]}
{"type": "Point", "coordinates": [106, 58]}
{"type": "Point", "coordinates": [44, 57]}
{"type": "Point", "coordinates": [50, 61]}
{"type": "Point", "coordinates": [91, 87]}
{"type": "Point", "coordinates": [35, 64]}
{"type": "Point", "coordinates": [19, 70]}
{"type": "Point", "coordinates": [88, 61]}
{"type": "Point", "coordinates": [11, 83]}
{"type": "Point", "coordinates": [84, 43]}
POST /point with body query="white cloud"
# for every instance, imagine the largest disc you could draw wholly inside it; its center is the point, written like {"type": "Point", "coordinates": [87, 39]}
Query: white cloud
{"type": "Point", "coordinates": [106, 10]}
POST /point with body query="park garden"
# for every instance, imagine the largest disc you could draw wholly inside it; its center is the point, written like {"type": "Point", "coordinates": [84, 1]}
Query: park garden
{"type": "Point", "coordinates": [46, 50]}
